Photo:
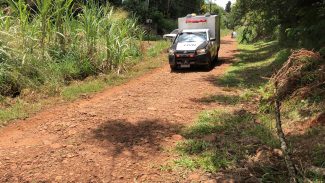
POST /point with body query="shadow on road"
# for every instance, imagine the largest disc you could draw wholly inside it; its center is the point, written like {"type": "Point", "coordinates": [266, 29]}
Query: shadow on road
{"type": "Point", "coordinates": [132, 142]}
{"type": "Point", "coordinates": [221, 60]}
{"type": "Point", "coordinates": [251, 71]}
{"type": "Point", "coordinates": [125, 135]}
{"type": "Point", "coordinates": [225, 42]}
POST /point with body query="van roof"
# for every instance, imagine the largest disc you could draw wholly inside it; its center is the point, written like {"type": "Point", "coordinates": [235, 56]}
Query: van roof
{"type": "Point", "coordinates": [195, 30]}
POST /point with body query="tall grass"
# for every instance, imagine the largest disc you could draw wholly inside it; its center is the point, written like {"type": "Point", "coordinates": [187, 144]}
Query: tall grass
{"type": "Point", "coordinates": [50, 45]}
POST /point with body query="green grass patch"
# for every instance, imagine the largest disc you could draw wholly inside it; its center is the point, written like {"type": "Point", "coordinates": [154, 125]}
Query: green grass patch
{"type": "Point", "coordinates": [18, 110]}
{"type": "Point", "coordinates": [239, 135]}
{"type": "Point", "coordinates": [297, 109]}
{"type": "Point", "coordinates": [318, 155]}
{"type": "Point", "coordinates": [223, 99]}
{"type": "Point", "coordinates": [224, 32]}
{"type": "Point", "coordinates": [157, 48]}
{"type": "Point", "coordinates": [235, 136]}
{"type": "Point", "coordinates": [186, 162]}
{"type": "Point", "coordinates": [256, 63]}
{"type": "Point", "coordinates": [264, 134]}
{"type": "Point", "coordinates": [192, 146]}
{"type": "Point", "coordinates": [13, 112]}
{"type": "Point", "coordinates": [214, 161]}
{"type": "Point", "coordinates": [75, 91]}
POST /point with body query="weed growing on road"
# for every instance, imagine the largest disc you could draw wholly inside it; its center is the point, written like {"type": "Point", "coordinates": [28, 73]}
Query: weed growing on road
{"type": "Point", "coordinates": [193, 146]}
{"type": "Point", "coordinates": [186, 162]}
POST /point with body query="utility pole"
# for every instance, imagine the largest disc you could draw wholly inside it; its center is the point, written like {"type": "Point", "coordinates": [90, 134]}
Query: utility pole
{"type": "Point", "coordinates": [148, 20]}
{"type": "Point", "coordinates": [210, 6]}
{"type": "Point", "coordinates": [168, 6]}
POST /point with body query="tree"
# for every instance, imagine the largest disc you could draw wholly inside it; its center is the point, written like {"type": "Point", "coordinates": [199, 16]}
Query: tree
{"type": "Point", "coordinates": [228, 7]}
{"type": "Point", "coordinates": [295, 22]}
{"type": "Point", "coordinates": [163, 13]}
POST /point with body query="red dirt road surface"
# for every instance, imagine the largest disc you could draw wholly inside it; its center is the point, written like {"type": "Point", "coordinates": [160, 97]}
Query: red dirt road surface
{"type": "Point", "coordinates": [119, 135]}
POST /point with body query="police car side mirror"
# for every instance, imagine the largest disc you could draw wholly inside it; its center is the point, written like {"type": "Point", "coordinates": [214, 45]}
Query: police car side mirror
{"type": "Point", "coordinates": [213, 39]}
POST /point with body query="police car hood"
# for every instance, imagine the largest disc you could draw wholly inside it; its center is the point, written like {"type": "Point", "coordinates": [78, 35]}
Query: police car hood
{"type": "Point", "coordinates": [190, 46]}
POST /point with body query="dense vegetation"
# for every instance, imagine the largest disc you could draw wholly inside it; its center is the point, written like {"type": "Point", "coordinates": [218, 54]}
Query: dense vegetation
{"type": "Point", "coordinates": [293, 22]}
{"type": "Point", "coordinates": [165, 13]}
{"type": "Point", "coordinates": [53, 46]}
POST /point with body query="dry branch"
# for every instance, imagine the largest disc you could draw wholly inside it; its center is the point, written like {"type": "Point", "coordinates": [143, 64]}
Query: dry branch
{"type": "Point", "coordinates": [284, 146]}
{"type": "Point", "coordinates": [291, 77]}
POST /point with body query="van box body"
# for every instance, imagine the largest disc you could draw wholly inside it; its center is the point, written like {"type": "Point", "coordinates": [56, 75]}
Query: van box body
{"type": "Point", "coordinates": [211, 22]}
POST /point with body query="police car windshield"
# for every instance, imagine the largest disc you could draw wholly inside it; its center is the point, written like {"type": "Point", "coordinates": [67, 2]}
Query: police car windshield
{"type": "Point", "coordinates": [192, 37]}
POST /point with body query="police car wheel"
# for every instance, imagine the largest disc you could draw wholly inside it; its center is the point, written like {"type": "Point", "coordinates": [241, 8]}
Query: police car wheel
{"type": "Point", "coordinates": [173, 67]}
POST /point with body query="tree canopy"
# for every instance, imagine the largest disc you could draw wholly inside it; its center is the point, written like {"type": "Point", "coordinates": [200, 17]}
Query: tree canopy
{"type": "Point", "coordinates": [300, 22]}
{"type": "Point", "coordinates": [164, 13]}
{"type": "Point", "coordinates": [228, 7]}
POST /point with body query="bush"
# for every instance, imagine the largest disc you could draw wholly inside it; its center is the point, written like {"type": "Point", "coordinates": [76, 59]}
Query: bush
{"type": "Point", "coordinates": [9, 80]}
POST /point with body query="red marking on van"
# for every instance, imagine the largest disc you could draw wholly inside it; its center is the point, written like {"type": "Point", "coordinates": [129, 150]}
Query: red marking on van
{"type": "Point", "coordinates": [195, 20]}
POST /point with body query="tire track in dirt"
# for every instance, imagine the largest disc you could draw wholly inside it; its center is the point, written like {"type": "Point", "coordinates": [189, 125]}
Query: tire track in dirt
{"type": "Point", "coordinates": [118, 135]}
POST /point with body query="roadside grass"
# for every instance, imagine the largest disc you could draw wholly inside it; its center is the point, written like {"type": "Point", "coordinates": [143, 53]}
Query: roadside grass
{"type": "Point", "coordinates": [157, 48]}
{"type": "Point", "coordinates": [186, 162]}
{"type": "Point", "coordinates": [224, 32]}
{"type": "Point", "coordinates": [75, 91]}
{"type": "Point", "coordinates": [143, 65]}
{"type": "Point", "coordinates": [309, 153]}
{"type": "Point", "coordinates": [18, 110]}
{"type": "Point", "coordinates": [22, 107]}
{"type": "Point", "coordinates": [297, 110]}
{"type": "Point", "coordinates": [227, 140]}
{"type": "Point", "coordinates": [221, 140]}
{"type": "Point", "coordinates": [223, 99]}
{"type": "Point", "coordinates": [256, 64]}
{"type": "Point", "coordinates": [318, 155]}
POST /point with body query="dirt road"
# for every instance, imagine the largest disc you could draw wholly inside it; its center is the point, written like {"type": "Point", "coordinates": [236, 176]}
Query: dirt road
{"type": "Point", "coordinates": [119, 135]}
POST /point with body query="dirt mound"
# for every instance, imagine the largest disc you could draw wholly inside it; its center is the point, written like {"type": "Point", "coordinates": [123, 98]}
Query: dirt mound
{"type": "Point", "coordinates": [302, 75]}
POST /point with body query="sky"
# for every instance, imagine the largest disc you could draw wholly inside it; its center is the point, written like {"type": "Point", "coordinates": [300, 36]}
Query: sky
{"type": "Point", "coordinates": [223, 3]}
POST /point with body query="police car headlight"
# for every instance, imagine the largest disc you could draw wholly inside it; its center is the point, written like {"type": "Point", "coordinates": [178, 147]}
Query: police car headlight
{"type": "Point", "coordinates": [171, 52]}
{"type": "Point", "coordinates": [201, 51]}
